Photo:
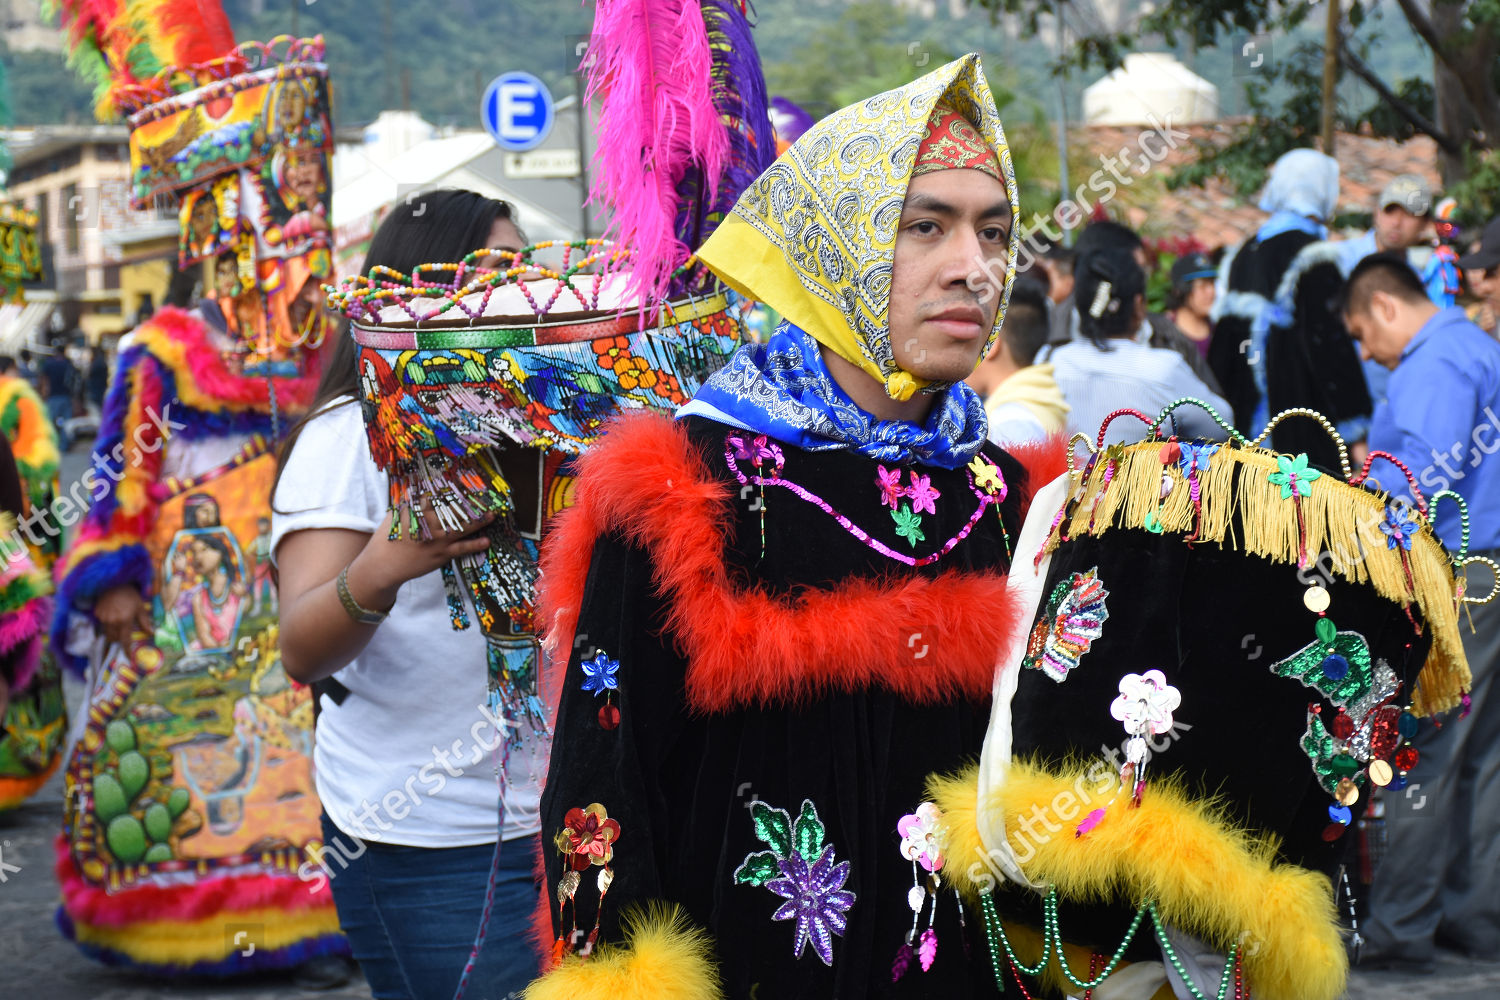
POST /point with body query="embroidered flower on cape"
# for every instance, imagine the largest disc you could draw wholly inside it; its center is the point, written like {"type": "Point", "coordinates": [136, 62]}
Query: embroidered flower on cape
{"type": "Point", "coordinates": [800, 868]}
{"type": "Point", "coordinates": [922, 494]}
{"type": "Point", "coordinates": [987, 475]}
{"type": "Point", "coordinates": [1073, 619]}
{"type": "Point", "coordinates": [1293, 476]}
{"type": "Point", "coordinates": [891, 490]}
{"type": "Point", "coordinates": [588, 837]}
{"type": "Point", "coordinates": [599, 674]}
{"type": "Point", "coordinates": [1399, 527]}
{"type": "Point", "coordinates": [1146, 703]}
{"type": "Point", "coordinates": [923, 836]}
{"type": "Point", "coordinates": [909, 525]}
{"type": "Point", "coordinates": [1195, 458]}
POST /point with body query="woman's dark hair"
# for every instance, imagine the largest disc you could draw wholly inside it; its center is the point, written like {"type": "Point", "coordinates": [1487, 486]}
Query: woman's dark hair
{"type": "Point", "coordinates": [227, 560]}
{"type": "Point", "coordinates": [436, 227]}
{"type": "Point", "coordinates": [1107, 283]}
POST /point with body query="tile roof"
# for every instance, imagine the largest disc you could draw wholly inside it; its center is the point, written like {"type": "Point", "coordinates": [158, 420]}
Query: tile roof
{"type": "Point", "coordinates": [1214, 213]}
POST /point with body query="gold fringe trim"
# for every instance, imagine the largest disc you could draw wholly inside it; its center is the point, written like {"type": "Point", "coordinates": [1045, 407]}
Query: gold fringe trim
{"type": "Point", "coordinates": [1340, 520]}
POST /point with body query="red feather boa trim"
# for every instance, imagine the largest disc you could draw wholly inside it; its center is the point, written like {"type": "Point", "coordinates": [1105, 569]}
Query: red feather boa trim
{"type": "Point", "coordinates": [91, 904]}
{"type": "Point", "coordinates": [645, 482]}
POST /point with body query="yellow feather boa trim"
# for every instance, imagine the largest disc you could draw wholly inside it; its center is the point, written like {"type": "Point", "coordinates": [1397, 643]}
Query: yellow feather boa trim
{"type": "Point", "coordinates": [188, 942]}
{"type": "Point", "coordinates": [664, 958]}
{"type": "Point", "coordinates": [1206, 876]}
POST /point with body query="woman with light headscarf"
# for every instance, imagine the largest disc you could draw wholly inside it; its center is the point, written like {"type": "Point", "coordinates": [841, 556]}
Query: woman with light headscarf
{"type": "Point", "coordinates": [1278, 339]}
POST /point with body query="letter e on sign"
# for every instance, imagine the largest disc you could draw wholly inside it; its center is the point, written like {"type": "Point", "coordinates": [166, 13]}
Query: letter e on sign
{"type": "Point", "coordinates": [517, 111]}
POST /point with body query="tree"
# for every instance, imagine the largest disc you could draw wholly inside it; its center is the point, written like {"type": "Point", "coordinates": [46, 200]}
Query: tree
{"type": "Point", "coordinates": [1457, 103]}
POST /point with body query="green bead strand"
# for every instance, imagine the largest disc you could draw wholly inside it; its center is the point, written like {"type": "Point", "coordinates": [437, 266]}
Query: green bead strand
{"type": "Point", "coordinates": [1166, 946]}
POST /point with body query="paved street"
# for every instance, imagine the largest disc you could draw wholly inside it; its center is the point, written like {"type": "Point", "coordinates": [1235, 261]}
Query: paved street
{"type": "Point", "coordinates": [38, 964]}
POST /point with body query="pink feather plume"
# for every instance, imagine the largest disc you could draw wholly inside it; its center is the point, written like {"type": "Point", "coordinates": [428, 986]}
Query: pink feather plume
{"type": "Point", "coordinates": [651, 63]}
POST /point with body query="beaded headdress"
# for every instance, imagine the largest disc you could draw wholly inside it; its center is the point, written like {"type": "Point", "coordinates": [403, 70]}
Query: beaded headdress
{"type": "Point", "coordinates": [1262, 637]}
{"type": "Point", "coordinates": [471, 376]}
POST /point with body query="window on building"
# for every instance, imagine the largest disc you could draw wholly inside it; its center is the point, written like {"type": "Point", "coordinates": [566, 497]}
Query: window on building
{"type": "Point", "coordinates": [71, 209]}
{"type": "Point", "coordinates": [43, 208]}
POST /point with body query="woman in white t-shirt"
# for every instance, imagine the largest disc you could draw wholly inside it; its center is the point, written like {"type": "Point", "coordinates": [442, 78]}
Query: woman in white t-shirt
{"type": "Point", "coordinates": [404, 745]}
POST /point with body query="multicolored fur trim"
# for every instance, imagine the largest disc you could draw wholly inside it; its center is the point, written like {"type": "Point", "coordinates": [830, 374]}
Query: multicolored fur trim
{"type": "Point", "coordinates": [664, 957]}
{"type": "Point", "coordinates": [132, 949]}
{"type": "Point", "coordinates": [33, 441]}
{"type": "Point", "coordinates": [646, 483]}
{"type": "Point", "coordinates": [1206, 875]}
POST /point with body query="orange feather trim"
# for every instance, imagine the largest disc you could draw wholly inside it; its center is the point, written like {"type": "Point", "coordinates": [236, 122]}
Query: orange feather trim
{"type": "Point", "coordinates": [647, 484]}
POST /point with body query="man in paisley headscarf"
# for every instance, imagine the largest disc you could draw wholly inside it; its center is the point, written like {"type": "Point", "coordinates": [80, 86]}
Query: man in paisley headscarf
{"type": "Point", "coordinates": [774, 617]}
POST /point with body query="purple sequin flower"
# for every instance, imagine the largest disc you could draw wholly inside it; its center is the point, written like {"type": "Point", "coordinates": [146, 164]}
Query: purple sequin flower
{"type": "Point", "coordinates": [816, 898]}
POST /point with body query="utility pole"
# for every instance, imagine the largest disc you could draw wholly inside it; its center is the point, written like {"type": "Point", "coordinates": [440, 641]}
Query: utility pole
{"type": "Point", "coordinates": [1330, 73]}
{"type": "Point", "coordinates": [1062, 119]}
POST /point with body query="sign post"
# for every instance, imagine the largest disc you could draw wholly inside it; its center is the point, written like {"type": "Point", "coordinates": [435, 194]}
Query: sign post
{"type": "Point", "coordinates": [517, 111]}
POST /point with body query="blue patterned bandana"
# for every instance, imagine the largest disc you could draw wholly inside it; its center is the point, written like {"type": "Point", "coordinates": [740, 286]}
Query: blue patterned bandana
{"type": "Point", "coordinates": [783, 389]}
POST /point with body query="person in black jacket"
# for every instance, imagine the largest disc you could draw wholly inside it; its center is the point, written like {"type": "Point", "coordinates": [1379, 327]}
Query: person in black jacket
{"type": "Point", "coordinates": [1278, 340]}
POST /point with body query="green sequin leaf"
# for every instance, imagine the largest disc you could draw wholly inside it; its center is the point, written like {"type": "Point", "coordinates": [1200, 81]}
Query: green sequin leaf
{"type": "Point", "coordinates": [1306, 665]}
{"type": "Point", "coordinates": [772, 826]}
{"type": "Point", "coordinates": [758, 869]}
{"type": "Point", "coordinates": [1320, 748]}
{"type": "Point", "coordinates": [909, 525]}
{"type": "Point", "coordinates": [807, 832]}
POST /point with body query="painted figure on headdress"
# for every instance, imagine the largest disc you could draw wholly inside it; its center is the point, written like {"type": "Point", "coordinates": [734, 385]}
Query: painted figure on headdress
{"type": "Point", "coordinates": [190, 803]}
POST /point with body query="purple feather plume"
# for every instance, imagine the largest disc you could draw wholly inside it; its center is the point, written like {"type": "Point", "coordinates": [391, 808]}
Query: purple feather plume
{"type": "Point", "coordinates": [740, 99]}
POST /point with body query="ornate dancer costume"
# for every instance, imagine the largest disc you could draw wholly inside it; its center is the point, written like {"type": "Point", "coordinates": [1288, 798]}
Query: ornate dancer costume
{"type": "Point", "coordinates": [190, 803]}
{"type": "Point", "coordinates": [1230, 651]}
{"type": "Point", "coordinates": [773, 617]}
{"type": "Point", "coordinates": [36, 717]}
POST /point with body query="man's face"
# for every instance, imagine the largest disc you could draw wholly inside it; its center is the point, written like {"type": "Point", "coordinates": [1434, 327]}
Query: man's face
{"type": "Point", "coordinates": [1375, 327]}
{"type": "Point", "coordinates": [954, 223]}
{"type": "Point", "coordinates": [1396, 228]}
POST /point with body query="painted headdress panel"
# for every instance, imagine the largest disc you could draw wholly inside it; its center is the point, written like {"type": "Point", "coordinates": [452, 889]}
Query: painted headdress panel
{"type": "Point", "coordinates": [245, 155]}
{"type": "Point", "coordinates": [20, 255]}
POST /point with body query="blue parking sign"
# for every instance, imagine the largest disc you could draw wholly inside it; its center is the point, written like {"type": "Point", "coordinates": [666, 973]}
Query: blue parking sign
{"type": "Point", "coordinates": [517, 111]}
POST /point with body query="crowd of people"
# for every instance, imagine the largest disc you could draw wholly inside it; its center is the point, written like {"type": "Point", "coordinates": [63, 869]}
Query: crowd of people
{"type": "Point", "coordinates": [751, 609]}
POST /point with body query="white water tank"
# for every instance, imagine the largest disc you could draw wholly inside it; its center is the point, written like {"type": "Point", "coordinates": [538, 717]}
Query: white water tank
{"type": "Point", "coordinates": [1150, 83]}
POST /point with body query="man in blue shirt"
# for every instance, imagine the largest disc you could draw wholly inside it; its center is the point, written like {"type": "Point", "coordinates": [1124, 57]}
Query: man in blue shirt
{"type": "Point", "coordinates": [1403, 216]}
{"type": "Point", "coordinates": [1441, 417]}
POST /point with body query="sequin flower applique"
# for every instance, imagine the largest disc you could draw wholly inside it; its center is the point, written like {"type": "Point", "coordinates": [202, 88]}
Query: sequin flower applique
{"type": "Point", "coordinates": [922, 837]}
{"type": "Point", "coordinates": [1399, 528]}
{"type": "Point", "coordinates": [1073, 619]}
{"type": "Point", "coordinates": [891, 490]}
{"type": "Point", "coordinates": [1293, 476]}
{"type": "Point", "coordinates": [800, 868]}
{"type": "Point", "coordinates": [599, 674]}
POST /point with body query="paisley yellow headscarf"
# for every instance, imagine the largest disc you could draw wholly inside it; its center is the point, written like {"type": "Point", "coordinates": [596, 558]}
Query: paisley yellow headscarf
{"type": "Point", "coordinates": [819, 231]}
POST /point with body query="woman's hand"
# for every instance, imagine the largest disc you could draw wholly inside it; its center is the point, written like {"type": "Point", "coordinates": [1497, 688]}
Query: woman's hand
{"type": "Point", "coordinates": [120, 611]}
{"type": "Point", "coordinates": [383, 565]}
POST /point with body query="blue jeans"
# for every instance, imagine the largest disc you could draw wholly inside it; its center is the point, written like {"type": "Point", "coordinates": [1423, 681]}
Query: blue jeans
{"type": "Point", "coordinates": [60, 410]}
{"type": "Point", "coordinates": [411, 914]}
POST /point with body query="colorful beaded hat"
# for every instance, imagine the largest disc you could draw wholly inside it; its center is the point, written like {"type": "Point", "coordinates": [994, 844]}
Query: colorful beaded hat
{"type": "Point", "coordinates": [1231, 652]}
{"type": "Point", "coordinates": [20, 256]}
{"type": "Point", "coordinates": [238, 137]}
{"type": "Point", "coordinates": [479, 385]}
